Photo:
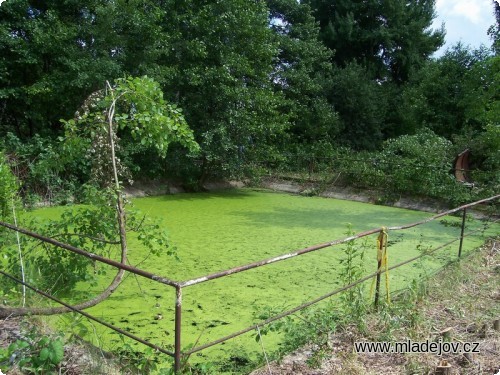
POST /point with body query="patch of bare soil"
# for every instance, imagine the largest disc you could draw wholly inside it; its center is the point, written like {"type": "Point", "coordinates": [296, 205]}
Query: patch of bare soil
{"type": "Point", "coordinates": [461, 305]}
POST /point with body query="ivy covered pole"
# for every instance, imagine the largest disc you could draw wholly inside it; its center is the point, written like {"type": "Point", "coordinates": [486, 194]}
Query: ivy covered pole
{"type": "Point", "coordinates": [119, 199]}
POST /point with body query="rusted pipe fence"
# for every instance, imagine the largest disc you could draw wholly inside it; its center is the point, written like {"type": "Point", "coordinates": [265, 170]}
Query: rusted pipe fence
{"type": "Point", "coordinates": [178, 354]}
{"type": "Point", "coordinates": [327, 295]}
{"type": "Point", "coordinates": [76, 250]}
{"type": "Point", "coordinates": [88, 316]}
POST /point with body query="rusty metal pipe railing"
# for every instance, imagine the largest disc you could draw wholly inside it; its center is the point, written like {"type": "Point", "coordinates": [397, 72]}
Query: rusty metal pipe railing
{"type": "Point", "coordinates": [465, 206]}
{"type": "Point", "coordinates": [330, 294]}
{"type": "Point", "coordinates": [314, 301]}
{"type": "Point", "coordinates": [92, 256]}
{"type": "Point", "coordinates": [89, 316]}
{"type": "Point", "coordinates": [178, 329]}
{"type": "Point", "coordinates": [279, 258]}
{"type": "Point", "coordinates": [276, 259]}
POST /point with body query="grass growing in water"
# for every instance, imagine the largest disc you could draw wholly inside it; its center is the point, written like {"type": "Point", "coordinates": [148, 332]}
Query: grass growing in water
{"type": "Point", "coordinates": [216, 231]}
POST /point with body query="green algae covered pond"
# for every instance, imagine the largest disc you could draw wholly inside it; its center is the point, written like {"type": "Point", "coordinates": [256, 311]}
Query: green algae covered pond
{"type": "Point", "coordinates": [218, 231]}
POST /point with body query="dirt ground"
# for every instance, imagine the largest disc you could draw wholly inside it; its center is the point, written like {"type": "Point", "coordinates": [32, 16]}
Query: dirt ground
{"type": "Point", "coordinates": [462, 305]}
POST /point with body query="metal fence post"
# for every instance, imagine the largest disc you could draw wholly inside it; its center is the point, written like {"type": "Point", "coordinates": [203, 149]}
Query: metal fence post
{"type": "Point", "coordinates": [377, 285]}
{"type": "Point", "coordinates": [462, 233]}
{"type": "Point", "coordinates": [178, 325]}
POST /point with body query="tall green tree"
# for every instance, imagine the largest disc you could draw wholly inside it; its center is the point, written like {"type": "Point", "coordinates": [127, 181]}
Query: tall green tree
{"type": "Point", "coordinates": [302, 73]}
{"type": "Point", "coordinates": [454, 94]}
{"type": "Point", "coordinates": [53, 54]}
{"type": "Point", "coordinates": [389, 38]}
{"type": "Point", "coordinates": [221, 64]}
{"type": "Point", "coordinates": [48, 60]}
{"type": "Point", "coordinates": [361, 104]}
{"type": "Point", "coordinates": [494, 30]}
{"type": "Point", "coordinates": [377, 47]}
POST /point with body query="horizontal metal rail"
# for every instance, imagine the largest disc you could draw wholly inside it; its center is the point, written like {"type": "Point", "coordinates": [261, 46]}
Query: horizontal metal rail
{"type": "Point", "coordinates": [465, 206]}
{"type": "Point", "coordinates": [312, 302]}
{"type": "Point", "coordinates": [294, 254]}
{"type": "Point", "coordinates": [76, 250]}
{"type": "Point", "coordinates": [89, 316]}
{"type": "Point", "coordinates": [325, 296]}
{"type": "Point", "coordinates": [274, 259]}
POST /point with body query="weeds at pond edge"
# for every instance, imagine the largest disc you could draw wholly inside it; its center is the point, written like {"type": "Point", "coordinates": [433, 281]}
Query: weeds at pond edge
{"type": "Point", "coordinates": [34, 353]}
{"type": "Point", "coordinates": [314, 326]}
{"type": "Point", "coordinates": [457, 304]}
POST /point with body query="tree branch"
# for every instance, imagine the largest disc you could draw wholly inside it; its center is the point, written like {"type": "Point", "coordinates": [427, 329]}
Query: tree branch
{"type": "Point", "coordinates": [5, 312]}
{"type": "Point", "coordinates": [86, 236]}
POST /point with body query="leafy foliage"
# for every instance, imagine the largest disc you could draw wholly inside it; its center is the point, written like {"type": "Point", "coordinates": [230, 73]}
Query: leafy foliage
{"type": "Point", "coordinates": [494, 30]}
{"type": "Point", "coordinates": [95, 226]}
{"type": "Point", "coordinates": [136, 107]}
{"type": "Point", "coordinates": [376, 48]}
{"type": "Point", "coordinates": [452, 94]}
{"type": "Point", "coordinates": [352, 269]}
{"type": "Point", "coordinates": [91, 226]}
{"type": "Point", "coordinates": [151, 120]}
{"type": "Point", "coordinates": [46, 169]}
{"type": "Point", "coordinates": [256, 81]}
{"type": "Point", "coordinates": [223, 63]}
{"type": "Point", "coordinates": [54, 54]}
{"type": "Point", "coordinates": [302, 73]}
{"type": "Point", "coordinates": [35, 354]}
{"type": "Point", "coordinates": [361, 106]}
{"type": "Point", "coordinates": [418, 165]}
{"type": "Point", "coordinates": [8, 188]}
{"type": "Point", "coordinates": [390, 39]}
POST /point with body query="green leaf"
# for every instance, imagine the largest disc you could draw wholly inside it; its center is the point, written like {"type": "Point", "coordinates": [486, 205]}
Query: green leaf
{"type": "Point", "coordinates": [44, 354]}
{"type": "Point", "coordinates": [56, 351]}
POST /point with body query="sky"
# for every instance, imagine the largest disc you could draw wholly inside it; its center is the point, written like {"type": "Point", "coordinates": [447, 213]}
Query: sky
{"type": "Point", "coordinates": [466, 21]}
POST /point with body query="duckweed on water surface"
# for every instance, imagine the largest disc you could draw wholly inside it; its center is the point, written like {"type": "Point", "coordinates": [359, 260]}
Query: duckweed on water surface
{"type": "Point", "coordinates": [217, 231]}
